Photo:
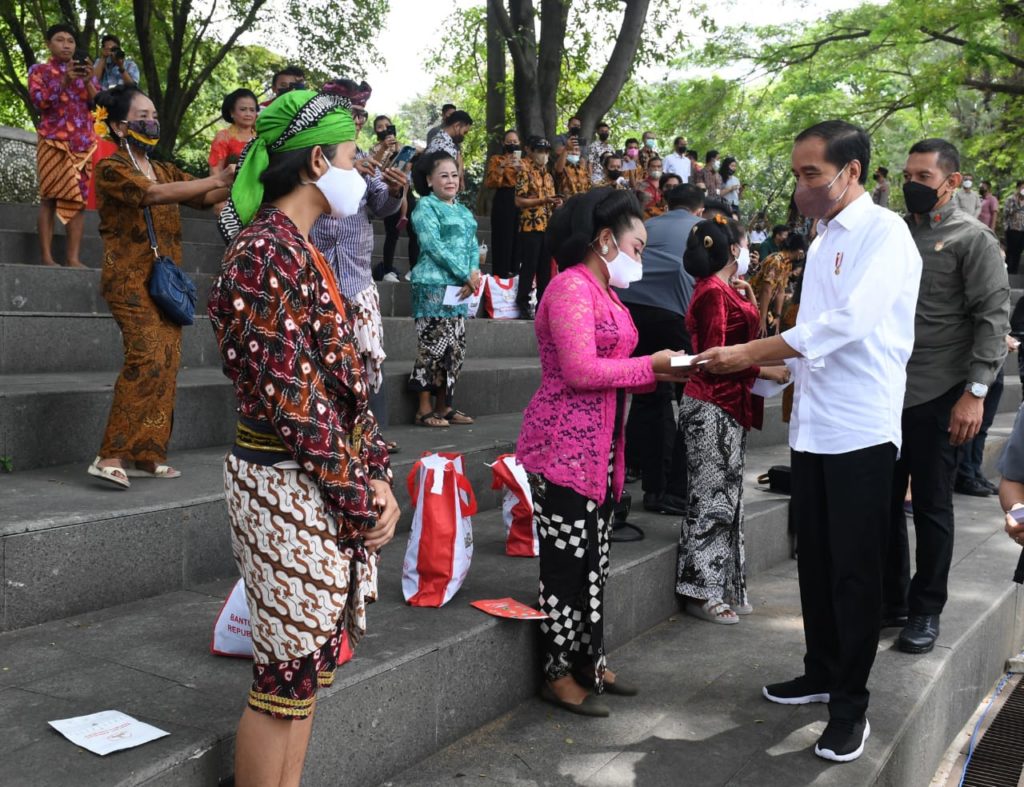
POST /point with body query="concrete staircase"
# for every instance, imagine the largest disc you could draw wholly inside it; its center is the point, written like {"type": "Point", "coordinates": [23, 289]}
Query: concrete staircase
{"type": "Point", "coordinates": [108, 597]}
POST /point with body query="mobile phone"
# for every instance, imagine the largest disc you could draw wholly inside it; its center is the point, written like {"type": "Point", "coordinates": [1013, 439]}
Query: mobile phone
{"type": "Point", "coordinates": [1017, 514]}
{"type": "Point", "coordinates": [404, 156]}
{"type": "Point", "coordinates": [390, 131]}
{"type": "Point", "coordinates": [81, 58]}
{"type": "Point", "coordinates": [517, 155]}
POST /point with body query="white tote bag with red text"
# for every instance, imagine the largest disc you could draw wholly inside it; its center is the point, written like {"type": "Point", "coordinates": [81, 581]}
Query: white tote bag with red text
{"type": "Point", "coordinates": [517, 507]}
{"type": "Point", "coordinates": [441, 542]}
{"type": "Point", "coordinates": [500, 298]}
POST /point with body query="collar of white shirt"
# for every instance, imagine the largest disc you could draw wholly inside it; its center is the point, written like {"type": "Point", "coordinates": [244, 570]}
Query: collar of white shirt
{"type": "Point", "coordinates": [850, 217]}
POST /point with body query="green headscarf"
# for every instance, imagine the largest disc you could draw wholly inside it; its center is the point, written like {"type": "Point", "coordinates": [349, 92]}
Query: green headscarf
{"type": "Point", "coordinates": [298, 119]}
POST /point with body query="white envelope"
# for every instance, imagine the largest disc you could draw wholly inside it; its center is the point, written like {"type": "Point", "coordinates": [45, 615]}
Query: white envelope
{"type": "Point", "coordinates": [107, 731]}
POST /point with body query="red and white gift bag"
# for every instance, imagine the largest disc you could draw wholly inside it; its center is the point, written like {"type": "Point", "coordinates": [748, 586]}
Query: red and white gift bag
{"type": "Point", "coordinates": [517, 508]}
{"type": "Point", "coordinates": [232, 634]}
{"type": "Point", "coordinates": [441, 542]}
{"type": "Point", "coordinates": [500, 298]}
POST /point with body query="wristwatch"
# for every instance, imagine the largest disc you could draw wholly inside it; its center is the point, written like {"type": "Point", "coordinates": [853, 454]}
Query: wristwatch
{"type": "Point", "coordinates": [977, 390]}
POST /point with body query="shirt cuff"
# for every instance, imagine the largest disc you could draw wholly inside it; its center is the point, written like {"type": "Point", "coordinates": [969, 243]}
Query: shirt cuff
{"type": "Point", "coordinates": [982, 373]}
{"type": "Point", "coordinates": [800, 339]}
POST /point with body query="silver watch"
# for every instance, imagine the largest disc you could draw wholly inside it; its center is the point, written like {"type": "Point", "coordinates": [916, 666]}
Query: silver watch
{"type": "Point", "coordinates": [977, 390]}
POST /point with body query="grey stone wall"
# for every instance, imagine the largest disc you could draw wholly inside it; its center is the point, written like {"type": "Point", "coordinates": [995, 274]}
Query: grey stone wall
{"type": "Point", "coordinates": [18, 165]}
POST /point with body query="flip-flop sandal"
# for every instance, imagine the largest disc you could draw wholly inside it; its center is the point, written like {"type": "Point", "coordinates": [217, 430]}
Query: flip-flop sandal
{"type": "Point", "coordinates": [458, 418]}
{"type": "Point", "coordinates": [160, 471]}
{"type": "Point", "coordinates": [423, 419]}
{"type": "Point", "coordinates": [711, 611]}
{"type": "Point", "coordinates": [114, 475]}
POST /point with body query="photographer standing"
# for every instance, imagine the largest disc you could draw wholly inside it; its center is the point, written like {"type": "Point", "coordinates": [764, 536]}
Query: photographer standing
{"type": "Point", "coordinates": [113, 67]}
{"type": "Point", "coordinates": [61, 90]}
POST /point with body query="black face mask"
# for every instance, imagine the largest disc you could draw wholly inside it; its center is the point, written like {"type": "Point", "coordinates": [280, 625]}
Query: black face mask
{"type": "Point", "coordinates": [603, 136]}
{"type": "Point", "coordinates": [512, 148]}
{"type": "Point", "coordinates": [390, 131]}
{"type": "Point", "coordinates": [681, 149]}
{"type": "Point", "coordinates": [920, 198]}
{"type": "Point", "coordinates": [574, 131]}
{"type": "Point", "coordinates": [613, 174]}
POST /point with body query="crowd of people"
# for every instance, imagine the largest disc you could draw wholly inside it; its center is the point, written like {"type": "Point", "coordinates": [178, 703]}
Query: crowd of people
{"type": "Point", "coordinates": [892, 330]}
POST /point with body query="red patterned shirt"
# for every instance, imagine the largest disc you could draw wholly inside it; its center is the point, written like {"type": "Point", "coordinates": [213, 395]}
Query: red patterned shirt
{"type": "Point", "coordinates": [63, 109]}
{"type": "Point", "coordinates": [292, 357]}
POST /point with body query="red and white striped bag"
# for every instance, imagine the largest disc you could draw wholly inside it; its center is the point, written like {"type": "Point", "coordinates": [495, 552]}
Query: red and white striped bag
{"type": "Point", "coordinates": [441, 542]}
{"type": "Point", "coordinates": [517, 507]}
{"type": "Point", "coordinates": [500, 298]}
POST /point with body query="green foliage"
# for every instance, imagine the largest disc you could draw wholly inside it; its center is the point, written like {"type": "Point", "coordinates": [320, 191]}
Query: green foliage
{"type": "Point", "coordinates": [7, 464]}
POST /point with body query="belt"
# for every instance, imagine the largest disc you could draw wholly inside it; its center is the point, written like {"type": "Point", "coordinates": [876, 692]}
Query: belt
{"type": "Point", "coordinates": [252, 436]}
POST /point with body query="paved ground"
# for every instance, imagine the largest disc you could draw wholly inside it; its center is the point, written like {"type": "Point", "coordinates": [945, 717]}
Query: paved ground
{"type": "Point", "coordinates": [700, 719]}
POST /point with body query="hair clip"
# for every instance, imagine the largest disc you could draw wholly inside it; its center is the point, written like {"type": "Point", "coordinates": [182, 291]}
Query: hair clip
{"type": "Point", "coordinates": [99, 125]}
{"type": "Point", "coordinates": [720, 219]}
{"type": "Point", "coordinates": [708, 241]}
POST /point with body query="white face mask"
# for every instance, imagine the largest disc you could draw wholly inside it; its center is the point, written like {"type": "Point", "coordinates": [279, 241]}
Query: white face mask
{"type": "Point", "coordinates": [343, 188]}
{"type": "Point", "coordinates": [572, 158]}
{"type": "Point", "coordinates": [968, 184]}
{"type": "Point", "coordinates": [743, 261]}
{"type": "Point", "coordinates": [654, 174]}
{"type": "Point", "coordinates": [623, 270]}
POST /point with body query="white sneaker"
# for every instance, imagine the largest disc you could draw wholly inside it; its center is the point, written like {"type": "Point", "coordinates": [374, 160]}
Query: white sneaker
{"type": "Point", "coordinates": [391, 277]}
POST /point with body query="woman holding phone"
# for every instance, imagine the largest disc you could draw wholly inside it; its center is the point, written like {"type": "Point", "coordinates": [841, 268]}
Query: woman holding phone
{"type": "Point", "coordinates": [502, 171]}
{"type": "Point", "coordinates": [386, 152]}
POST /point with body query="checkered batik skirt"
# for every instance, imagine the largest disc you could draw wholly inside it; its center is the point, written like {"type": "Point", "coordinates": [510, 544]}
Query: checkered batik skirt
{"type": "Point", "coordinates": [574, 536]}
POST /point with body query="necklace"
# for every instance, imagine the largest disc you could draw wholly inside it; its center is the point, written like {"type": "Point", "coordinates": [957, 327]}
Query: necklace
{"type": "Point", "coordinates": [151, 175]}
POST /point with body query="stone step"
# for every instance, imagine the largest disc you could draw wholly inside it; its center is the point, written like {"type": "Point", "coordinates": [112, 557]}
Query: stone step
{"type": "Point", "coordinates": [196, 227]}
{"type": "Point", "coordinates": [96, 546]}
{"type": "Point", "coordinates": [422, 678]}
{"type": "Point", "coordinates": [53, 419]}
{"type": "Point", "coordinates": [700, 711]}
{"type": "Point", "coordinates": [37, 288]}
{"type": "Point", "coordinates": [92, 342]}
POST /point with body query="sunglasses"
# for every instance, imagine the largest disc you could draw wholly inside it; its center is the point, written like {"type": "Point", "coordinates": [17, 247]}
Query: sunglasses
{"type": "Point", "coordinates": [359, 115]}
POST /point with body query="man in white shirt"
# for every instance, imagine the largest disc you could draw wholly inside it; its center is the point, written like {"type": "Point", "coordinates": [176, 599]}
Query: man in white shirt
{"type": "Point", "coordinates": [676, 162]}
{"type": "Point", "coordinates": [849, 352]}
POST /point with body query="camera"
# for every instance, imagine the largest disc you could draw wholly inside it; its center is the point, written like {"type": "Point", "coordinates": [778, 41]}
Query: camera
{"type": "Point", "coordinates": [117, 53]}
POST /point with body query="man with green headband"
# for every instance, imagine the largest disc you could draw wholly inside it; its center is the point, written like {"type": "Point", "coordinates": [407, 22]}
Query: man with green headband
{"type": "Point", "coordinates": [308, 480]}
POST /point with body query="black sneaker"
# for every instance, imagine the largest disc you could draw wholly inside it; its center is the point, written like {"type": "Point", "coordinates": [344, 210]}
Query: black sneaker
{"type": "Point", "coordinates": [843, 740]}
{"type": "Point", "coordinates": [798, 691]}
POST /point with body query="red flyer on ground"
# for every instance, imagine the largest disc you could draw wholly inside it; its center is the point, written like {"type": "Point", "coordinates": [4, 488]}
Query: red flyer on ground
{"type": "Point", "coordinates": [508, 608]}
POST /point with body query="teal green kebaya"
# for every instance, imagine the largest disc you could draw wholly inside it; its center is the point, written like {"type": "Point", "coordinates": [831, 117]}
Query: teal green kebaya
{"type": "Point", "coordinates": [448, 255]}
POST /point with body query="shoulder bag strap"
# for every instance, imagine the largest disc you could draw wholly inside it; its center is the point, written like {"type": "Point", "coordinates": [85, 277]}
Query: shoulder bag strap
{"type": "Point", "coordinates": [151, 231]}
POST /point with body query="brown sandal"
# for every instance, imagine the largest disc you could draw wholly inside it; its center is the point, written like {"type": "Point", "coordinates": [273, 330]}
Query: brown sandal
{"type": "Point", "coordinates": [458, 418]}
{"type": "Point", "coordinates": [431, 420]}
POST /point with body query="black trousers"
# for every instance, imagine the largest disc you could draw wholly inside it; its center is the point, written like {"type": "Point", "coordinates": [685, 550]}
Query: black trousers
{"type": "Point", "coordinates": [929, 461]}
{"type": "Point", "coordinates": [1014, 249]}
{"type": "Point", "coordinates": [391, 234]}
{"type": "Point", "coordinates": [504, 229]}
{"type": "Point", "coordinates": [534, 261]}
{"type": "Point", "coordinates": [414, 243]}
{"type": "Point", "coordinates": [840, 507]}
{"type": "Point", "coordinates": [653, 443]}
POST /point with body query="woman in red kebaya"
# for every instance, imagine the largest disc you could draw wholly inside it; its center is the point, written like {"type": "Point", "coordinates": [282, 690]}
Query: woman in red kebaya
{"type": "Point", "coordinates": [715, 414]}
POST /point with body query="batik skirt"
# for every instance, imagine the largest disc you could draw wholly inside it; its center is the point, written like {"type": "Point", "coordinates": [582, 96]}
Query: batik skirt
{"type": "Point", "coordinates": [442, 351]}
{"type": "Point", "coordinates": [711, 562]}
{"type": "Point", "coordinates": [574, 534]}
{"type": "Point", "coordinates": [369, 330]}
{"type": "Point", "coordinates": [303, 587]}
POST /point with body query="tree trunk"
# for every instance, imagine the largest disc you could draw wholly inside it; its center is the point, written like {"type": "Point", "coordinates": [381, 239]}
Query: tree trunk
{"type": "Point", "coordinates": [496, 99]}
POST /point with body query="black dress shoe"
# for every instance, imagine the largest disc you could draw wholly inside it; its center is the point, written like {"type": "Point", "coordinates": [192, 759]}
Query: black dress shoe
{"type": "Point", "coordinates": [892, 620]}
{"type": "Point", "coordinates": [971, 486]}
{"type": "Point", "coordinates": [919, 635]}
{"type": "Point", "coordinates": [662, 504]}
{"type": "Point", "coordinates": [992, 488]}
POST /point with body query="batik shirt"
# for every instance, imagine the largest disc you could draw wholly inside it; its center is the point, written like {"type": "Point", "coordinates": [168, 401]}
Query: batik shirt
{"type": "Point", "coordinates": [574, 179]}
{"type": "Point", "coordinates": [293, 359]}
{"type": "Point", "coordinates": [595, 152]}
{"type": "Point", "coordinates": [442, 141]}
{"type": "Point", "coordinates": [501, 172]}
{"type": "Point", "coordinates": [534, 182]}
{"type": "Point", "coordinates": [1013, 213]}
{"type": "Point", "coordinates": [63, 109]}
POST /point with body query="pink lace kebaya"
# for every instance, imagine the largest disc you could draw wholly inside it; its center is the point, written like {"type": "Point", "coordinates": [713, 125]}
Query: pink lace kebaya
{"type": "Point", "coordinates": [586, 337]}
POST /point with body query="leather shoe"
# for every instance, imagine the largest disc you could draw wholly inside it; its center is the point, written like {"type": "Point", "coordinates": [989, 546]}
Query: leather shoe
{"type": "Point", "coordinates": [892, 620]}
{"type": "Point", "coordinates": [971, 486]}
{"type": "Point", "coordinates": [662, 504]}
{"type": "Point", "coordinates": [919, 635]}
{"type": "Point", "coordinates": [992, 488]}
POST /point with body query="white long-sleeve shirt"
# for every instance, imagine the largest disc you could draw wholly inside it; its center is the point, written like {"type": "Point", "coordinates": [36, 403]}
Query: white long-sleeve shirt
{"type": "Point", "coordinates": [677, 165]}
{"type": "Point", "coordinates": [854, 331]}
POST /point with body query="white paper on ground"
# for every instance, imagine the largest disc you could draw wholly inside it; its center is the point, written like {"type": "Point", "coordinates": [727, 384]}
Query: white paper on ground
{"type": "Point", "coordinates": [768, 388]}
{"type": "Point", "coordinates": [451, 296]}
{"type": "Point", "coordinates": [107, 731]}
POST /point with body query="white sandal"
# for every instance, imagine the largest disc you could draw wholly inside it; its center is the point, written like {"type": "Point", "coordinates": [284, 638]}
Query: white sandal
{"type": "Point", "coordinates": [713, 611]}
{"type": "Point", "coordinates": [113, 474]}
{"type": "Point", "coordinates": [160, 471]}
{"type": "Point", "coordinates": [743, 609]}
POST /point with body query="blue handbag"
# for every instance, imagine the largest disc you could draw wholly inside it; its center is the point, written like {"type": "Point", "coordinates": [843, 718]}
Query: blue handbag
{"type": "Point", "coordinates": [169, 286]}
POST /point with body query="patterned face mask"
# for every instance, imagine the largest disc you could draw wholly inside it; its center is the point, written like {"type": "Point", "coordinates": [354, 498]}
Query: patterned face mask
{"type": "Point", "coordinates": [144, 133]}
